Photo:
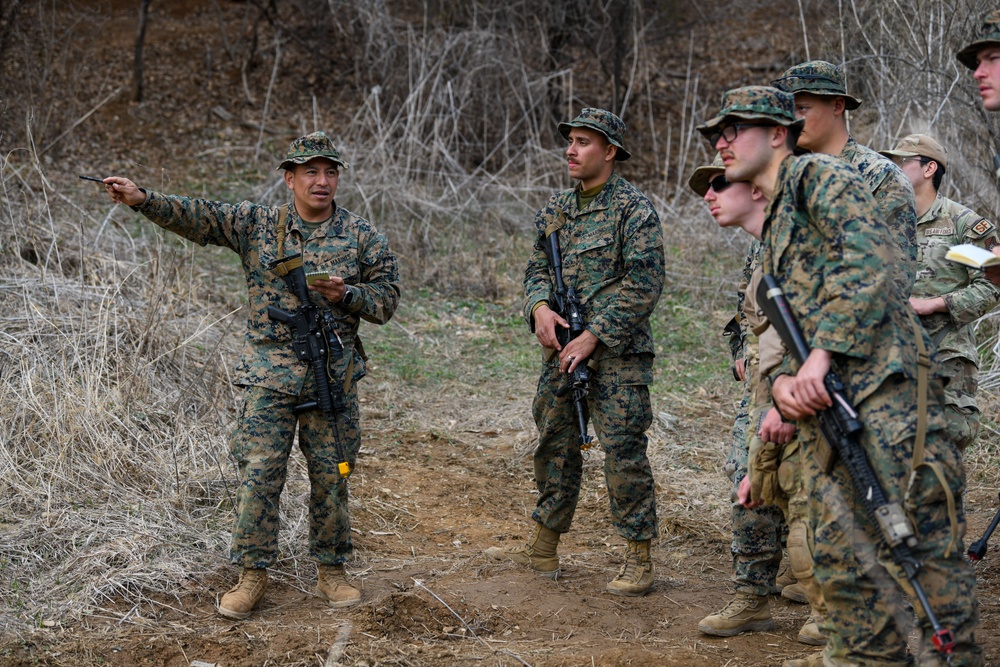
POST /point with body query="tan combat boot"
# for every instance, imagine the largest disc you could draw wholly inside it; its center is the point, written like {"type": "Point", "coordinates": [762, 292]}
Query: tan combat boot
{"type": "Point", "coordinates": [331, 583]}
{"type": "Point", "coordinates": [539, 553]}
{"type": "Point", "coordinates": [795, 593]}
{"type": "Point", "coordinates": [784, 578]}
{"type": "Point", "coordinates": [636, 575]}
{"type": "Point", "coordinates": [811, 634]}
{"type": "Point", "coordinates": [746, 613]}
{"type": "Point", "coordinates": [814, 660]}
{"type": "Point", "coordinates": [239, 602]}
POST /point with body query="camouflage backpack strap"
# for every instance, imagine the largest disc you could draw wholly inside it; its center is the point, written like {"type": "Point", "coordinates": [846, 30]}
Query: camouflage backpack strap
{"type": "Point", "coordinates": [923, 370]}
{"type": "Point", "coordinates": [283, 268]}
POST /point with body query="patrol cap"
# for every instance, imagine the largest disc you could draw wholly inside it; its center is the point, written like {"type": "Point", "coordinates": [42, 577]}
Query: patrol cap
{"type": "Point", "coordinates": [819, 78]}
{"type": "Point", "coordinates": [988, 34]}
{"type": "Point", "coordinates": [605, 122]}
{"type": "Point", "coordinates": [312, 146]}
{"type": "Point", "coordinates": [755, 103]}
{"type": "Point", "coordinates": [919, 145]}
{"type": "Point", "coordinates": [705, 173]}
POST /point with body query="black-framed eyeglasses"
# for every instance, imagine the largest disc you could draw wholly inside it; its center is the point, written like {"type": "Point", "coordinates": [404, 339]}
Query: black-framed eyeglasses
{"type": "Point", "coordinates": [730, 132]}
{"type": "Point", "coordinates": [719, 183]}
{"type": "Point", "coordinates": [919, 158]}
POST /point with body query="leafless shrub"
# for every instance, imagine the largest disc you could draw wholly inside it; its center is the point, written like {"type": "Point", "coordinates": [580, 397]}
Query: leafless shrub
{"type": "Point", "coordinates": [901, 62]}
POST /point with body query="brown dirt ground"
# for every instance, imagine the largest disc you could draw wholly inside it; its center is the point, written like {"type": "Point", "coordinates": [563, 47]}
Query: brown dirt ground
{"type": "Point", "coordinates": [426, 505]}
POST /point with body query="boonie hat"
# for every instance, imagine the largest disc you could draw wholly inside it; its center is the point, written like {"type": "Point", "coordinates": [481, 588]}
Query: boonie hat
{"type": "Point", "coordinates": [605, 122]}
{"type": "Point", "coordinates": [919, 145]}
{"type": "Point", "coordinates": [312, 146]}
{"type": "Point", "coordinates": [759, 103]}
{"type": "Point", "coordinates": [819, 78]}
{"type": "Point", "coordinates": [703, 174]}
{"type": "Point", "coordinates": [988, 34]}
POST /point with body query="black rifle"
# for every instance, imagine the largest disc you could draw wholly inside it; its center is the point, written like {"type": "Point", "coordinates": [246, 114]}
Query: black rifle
{"type": "Point", "coordinates": [841, 428]}
{"type": "Point", "coordinates": [315, 342]}
{"type": "Point", "coordinates": [978, 548]}
{"type": "Point", "coordinates": [567, 306]}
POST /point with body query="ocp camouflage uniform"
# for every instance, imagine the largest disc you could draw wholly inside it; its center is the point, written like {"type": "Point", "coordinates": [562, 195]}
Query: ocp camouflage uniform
{"type": "Point", "coordinates": [828, 247]}
{"type": "Point", "coordinates": [968, 295]}
{"type": "Point", "coordinates": [274, 380]}
{"type": "Point", "coordinates": [612, 254]}
{"type": "Point", "coordinates": [757, 532]}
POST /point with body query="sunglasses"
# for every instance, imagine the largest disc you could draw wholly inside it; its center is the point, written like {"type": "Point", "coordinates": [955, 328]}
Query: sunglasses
{"type": "Point", "coordinates": [719, 183]}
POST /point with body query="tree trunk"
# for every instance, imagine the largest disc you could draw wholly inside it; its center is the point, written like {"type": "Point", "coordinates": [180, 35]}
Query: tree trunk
{"type": "Point", "coordinates": [139, 40]}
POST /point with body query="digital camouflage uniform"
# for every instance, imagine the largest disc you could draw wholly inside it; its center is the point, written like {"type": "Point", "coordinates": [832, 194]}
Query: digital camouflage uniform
{"type": "Point", "coordinates": [612, 253]}
{"type": "Point", "coordinates": [274, 380]}
{"type": "Point", "coordinates": [892, 189]}
{"type": "Point", "coordinates": [757, 533]}
{"type": "Point", "coordinates": [827, 246]}
{"type": "Point", "coordinates": [986, 34]}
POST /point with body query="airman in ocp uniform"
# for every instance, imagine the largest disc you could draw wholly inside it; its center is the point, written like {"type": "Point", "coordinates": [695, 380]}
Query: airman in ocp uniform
{"type": "Point", "coordinates": [948, 296]}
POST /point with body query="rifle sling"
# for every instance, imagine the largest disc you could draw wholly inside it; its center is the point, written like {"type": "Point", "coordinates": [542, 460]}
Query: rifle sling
{"type": "Point", "coordinates": [923, 368]}
{"type": "Point", "coordinates": [284, 268]}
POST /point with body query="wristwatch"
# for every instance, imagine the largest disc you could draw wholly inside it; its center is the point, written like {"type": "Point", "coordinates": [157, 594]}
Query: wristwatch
{"type": "Point", "coordinates": [348, 296]}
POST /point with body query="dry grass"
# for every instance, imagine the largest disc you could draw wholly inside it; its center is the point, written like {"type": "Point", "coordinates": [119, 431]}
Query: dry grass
{"type": "Point", "coordinates": [115, 483]}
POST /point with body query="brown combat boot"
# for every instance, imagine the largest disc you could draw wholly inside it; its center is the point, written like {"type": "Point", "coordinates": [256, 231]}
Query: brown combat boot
{"type": "Point", "coordinates": [539, 553]}
{"type": "Point", "coordinates": [239, 602]}
{"type": "Point", "coordinates": [813, 660]}
{"type": "Point", "coordinates": [746, 613]}
{"type": "Point", "coordinates": [331, 583]}
{"type": "Point", "coordinates": [636, 575]}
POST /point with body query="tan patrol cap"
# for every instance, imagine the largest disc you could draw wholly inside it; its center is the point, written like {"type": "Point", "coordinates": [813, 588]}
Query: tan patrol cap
{"type": "Point", "coordinates": [919, 145]}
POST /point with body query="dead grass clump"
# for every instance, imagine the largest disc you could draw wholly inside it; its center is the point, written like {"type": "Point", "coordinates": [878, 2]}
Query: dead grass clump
{"type": "Point", "coordinates": [110, 367]}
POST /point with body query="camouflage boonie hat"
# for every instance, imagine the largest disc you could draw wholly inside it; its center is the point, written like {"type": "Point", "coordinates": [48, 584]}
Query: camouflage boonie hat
{"type": "Point", "coordinates": [703, 174]}
{"type": "Point", "coordinates": [605, 122]}
{"type": "Point", "coordinates": [819, 78]}
{"type": "Point", "coordinates": [756, 103]}
{"type": "Point", "coordinates": [987, 35]}
{"type": "Point", "coordinates": [919, 145]}
{"type": "Point", "coordinates": [312, 146]}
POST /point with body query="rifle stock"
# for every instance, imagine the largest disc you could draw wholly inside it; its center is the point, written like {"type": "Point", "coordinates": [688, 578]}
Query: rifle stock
{"type": "Point", "coordinates": [841, 428]}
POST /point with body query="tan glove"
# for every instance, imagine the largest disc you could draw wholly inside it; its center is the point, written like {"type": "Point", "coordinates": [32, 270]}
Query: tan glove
{"type": "Point", "coordinates": [763, 470]}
